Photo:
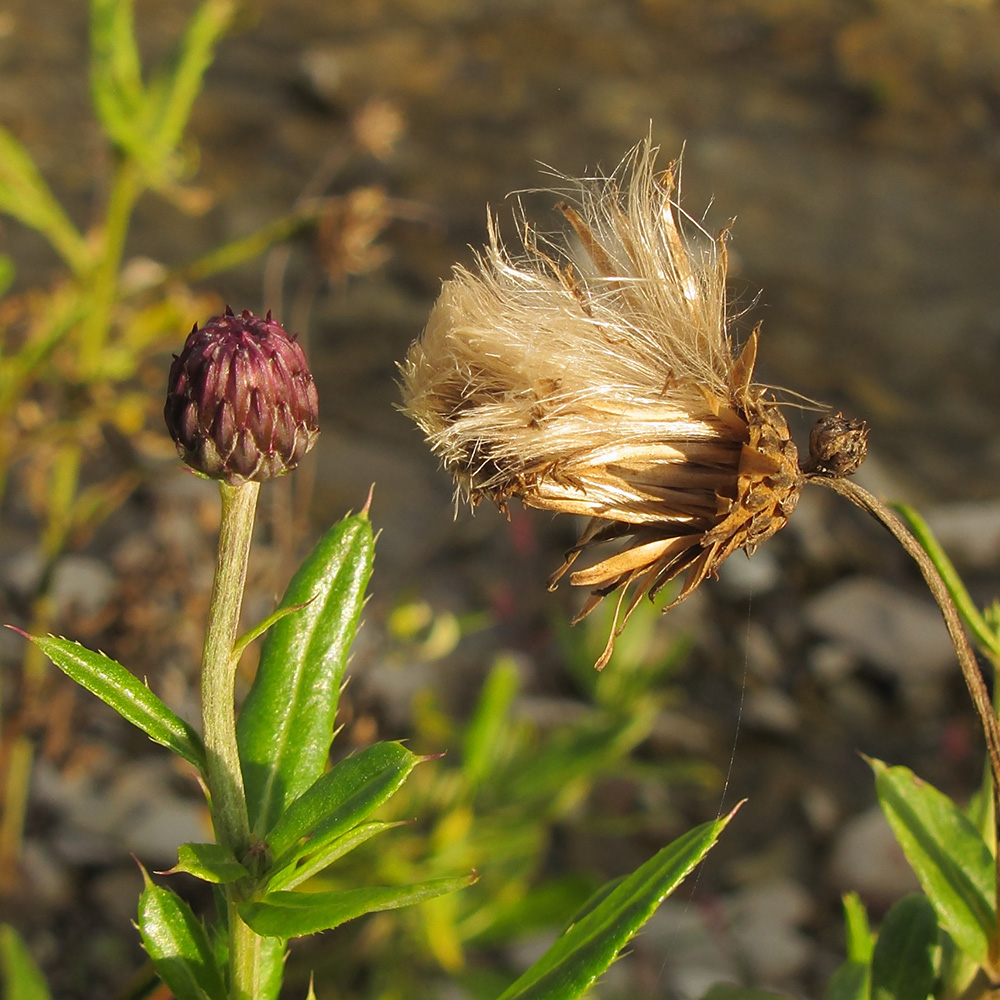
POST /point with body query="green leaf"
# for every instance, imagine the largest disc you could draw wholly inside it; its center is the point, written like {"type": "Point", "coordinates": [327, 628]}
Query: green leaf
{"type": "Point", "coordinates": [590, 945]}
{"type": "Point", "coordinates": [25, 196]}
{"type": "Point", "coordinates": [286, 726]}
{"type": "Point", "coordinates": [273, 952]}
{"type": "Point", "coordinates": [210, 862]}
{"type": "Point", "coordinates": [172, 96]}
{"type": "Point", "coordinates": [726, 991]}
{"type": "Point", "coordinates": [903, 965]}
{"type": "Point", "coordinates": [952, 862]}
{"type": "Point", "coordinates": [849, 982]}
{"type": "Point", "coordinates": [857, 930]}
{"type": "Point", "coordinates": [116, 72]}
{"type": "Point", "coordinates": [344, 796]}
{"type": "Point", "coordinates": [22, 979]}
{"type": "Point", "coordinates": [987, 637]}
{"type": "Point", "coordinates": [8, 271]}
{"type": "Point", "coordinates": [178, 945]}
{"type": "Point", "coordinates": [125, 693]}
{"type": "Point", "coordinates": [252, 634]}
{"type": "Point", "coordinates": [292, 914]}
{"type": "Point", "coordinates": [315, 861]}
{"type": "Point", "coordinates": [483, 740]}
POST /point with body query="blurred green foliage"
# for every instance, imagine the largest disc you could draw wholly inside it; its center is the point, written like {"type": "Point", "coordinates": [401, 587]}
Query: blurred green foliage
{"type": "Point", "coordinates": [511, 780]}
{"type": "Point", "coordinates": [79, 400]}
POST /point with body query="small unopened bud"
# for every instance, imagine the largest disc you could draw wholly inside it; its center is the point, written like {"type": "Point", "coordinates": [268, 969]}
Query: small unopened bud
{"type": "Point", "coordinates": [837, 446]}
{"type": "Point", "coordinates": [241, 401]}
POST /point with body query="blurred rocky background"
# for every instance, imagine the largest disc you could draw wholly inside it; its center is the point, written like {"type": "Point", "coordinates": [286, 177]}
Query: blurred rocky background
{"type": "Point", "coordinates": [857, 145]}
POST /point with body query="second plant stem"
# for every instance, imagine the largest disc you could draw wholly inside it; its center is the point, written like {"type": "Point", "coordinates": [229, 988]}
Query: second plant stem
{"type": "Point", "coordinates": [218, 677]}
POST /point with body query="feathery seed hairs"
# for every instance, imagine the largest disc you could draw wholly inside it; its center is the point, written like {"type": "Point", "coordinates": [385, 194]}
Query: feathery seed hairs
{"type": "Point", "coordinates": [596, 375]}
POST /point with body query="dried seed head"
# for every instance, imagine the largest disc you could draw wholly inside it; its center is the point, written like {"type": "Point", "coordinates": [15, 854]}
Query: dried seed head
{"type": "Point", "coordinates": [241, 401]}
{"type": "Point", "coordinates": [596, 376]}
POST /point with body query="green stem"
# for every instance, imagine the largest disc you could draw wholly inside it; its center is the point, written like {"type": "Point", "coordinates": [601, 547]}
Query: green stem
{"type": "Point", "coordinates": [128, 186]}
{"type": "Point", "coordinates": [218, 677]}
{"type": "Point", "coordinates": [218, 713]}
{"type": "Point", "coordinates": [244, 957]}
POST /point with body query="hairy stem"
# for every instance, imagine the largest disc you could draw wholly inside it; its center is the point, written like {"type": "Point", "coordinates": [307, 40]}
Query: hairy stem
{"type": "Point", "coordinates": [244, 956]}
{"type": "Point", "coordinates": [225, 777]}
{"type": "Point", "coordinates": [218, 712]}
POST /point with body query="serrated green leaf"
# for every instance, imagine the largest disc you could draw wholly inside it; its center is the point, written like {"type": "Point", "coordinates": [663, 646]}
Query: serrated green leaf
{"type": "Point", "coordinates": [293, 914]}
{"type": "Point", "coordinates": [22, 978]}
{"type": "Point", "coordinates": [341, 799]}
{"type": "Point", "coordinates": [952, 862]}
{"type": "Point", "coordinates": [589, 946]}
{"type": "Point", "coordinates": [125, 693]}
{"type": "Point", "coordinates": [312, 862]}
{"type": "Point", "coordinates": [25, 196]}
{"type": "Point", "coordinates": [286, 726]}
{"type": "Point", "coordinates": [903, 966]}
{"type": "Point", "coordinates": [210, 862]}
{"type": "Point", "coordinates": [273, 952]}
{"type": "Point", "coordinates": [178, 945]}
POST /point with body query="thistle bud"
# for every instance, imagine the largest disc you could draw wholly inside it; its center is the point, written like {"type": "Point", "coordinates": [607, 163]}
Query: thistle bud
{"type": "Point", "coordinates": [241, 401]}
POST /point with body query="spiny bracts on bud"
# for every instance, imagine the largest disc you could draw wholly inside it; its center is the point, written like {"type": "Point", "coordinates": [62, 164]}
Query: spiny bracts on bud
{"type": "Point", "coordinates": [241, 401]}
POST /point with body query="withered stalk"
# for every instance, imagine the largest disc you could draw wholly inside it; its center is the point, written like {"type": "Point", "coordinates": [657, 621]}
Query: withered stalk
{"type": "Point", "coordinates": [966, 657]}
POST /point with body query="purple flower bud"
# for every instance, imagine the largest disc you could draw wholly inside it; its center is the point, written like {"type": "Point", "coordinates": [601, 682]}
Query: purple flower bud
{"type": "Point", "coordinates": [241, 401]}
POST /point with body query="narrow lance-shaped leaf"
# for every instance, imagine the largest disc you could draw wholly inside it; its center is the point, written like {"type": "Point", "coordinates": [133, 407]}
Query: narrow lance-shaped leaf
{"type": "Point", "coordinates": [857, 929]}
{"type": "Point", "coordinates": [124, 692]}
{"type": "Point", "coordinates": [950, 858]}
{"type": "Point", "coordinates": [484, 740]}
{"type": "Point", "coordinates": [851, 980]}
{"type": "Point", "coordinates": [209, 862]}
{"type": "Point", "coordinates": [591, 944]}
{"type": "Point", "coordinates": [343, 797]}
{"type": "Point", "coordinates": [178, 945]}
{"type": "Point", "coordinates": [292, 914]}
{"type": "Point", "coordinates": [315, 861]}
{"type": "Point", "coordinates": [172, 96]}
{"type": "Point", "coordinates": [116, 71]}
{"type": "Point", "coordinates": [25, 196]}
{"type": "Point", "coordinates": [273, 952]}
{"type": "Point", "coordinates": [22, 979]}
{"type": "Point", "coordinates": [726, 991]}
{"type": "Point", "coordinates": [286, 726]}
{"type": "Point", "coordinates": [987, 637]}
{"type": "Point", "coordinates": [903, 965]}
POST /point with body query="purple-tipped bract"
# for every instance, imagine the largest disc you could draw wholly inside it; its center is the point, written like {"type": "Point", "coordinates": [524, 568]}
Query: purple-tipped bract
{"type": "Point", "coordinates": [241, 401]}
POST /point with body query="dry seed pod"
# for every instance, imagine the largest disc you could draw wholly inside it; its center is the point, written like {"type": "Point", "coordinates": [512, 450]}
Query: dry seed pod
{"type": "Point", "coordinates": [598, 377]}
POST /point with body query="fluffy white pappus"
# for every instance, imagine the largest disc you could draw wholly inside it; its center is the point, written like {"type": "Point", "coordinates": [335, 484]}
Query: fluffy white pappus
{"type": "Point", "coordinates": [594, 374]}
{"type": "Point", "coordinates": [577, 356]}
